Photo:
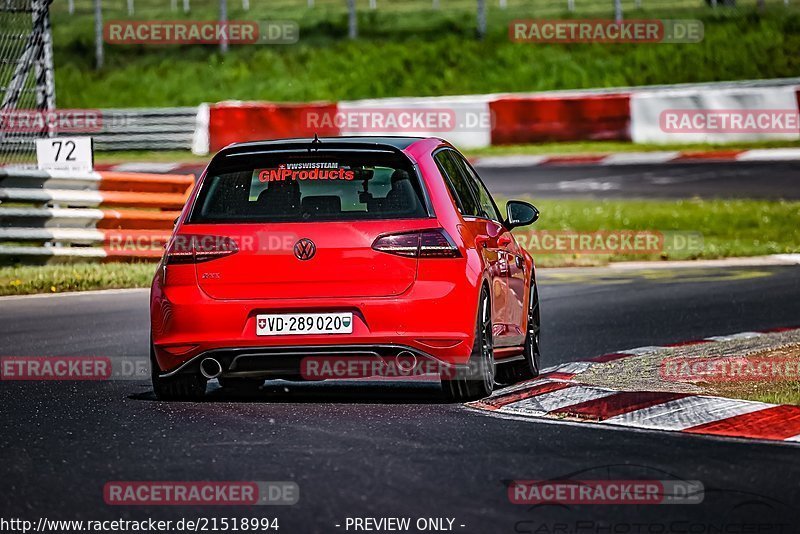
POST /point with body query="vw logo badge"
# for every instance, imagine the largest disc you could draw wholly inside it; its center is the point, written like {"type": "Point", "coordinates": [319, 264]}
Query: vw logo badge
{"type": "Point", "coordinates": [305, 249]}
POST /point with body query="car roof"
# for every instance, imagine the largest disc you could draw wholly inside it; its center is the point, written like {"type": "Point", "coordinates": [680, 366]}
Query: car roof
{"type": "Point", "coordinates": [398, 142]}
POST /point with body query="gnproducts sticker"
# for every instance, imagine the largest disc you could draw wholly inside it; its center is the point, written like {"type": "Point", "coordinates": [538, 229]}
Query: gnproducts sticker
{"type": "Point", "coordinates": [326, 170]}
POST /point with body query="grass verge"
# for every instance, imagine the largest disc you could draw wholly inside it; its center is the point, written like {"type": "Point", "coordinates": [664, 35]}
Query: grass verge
{"type": "Point", "coordinates": [783, 390]}
{"type": "Point", "coordinates": [28, 279]}
{"type": "Point", "coordinates": [717, 228]}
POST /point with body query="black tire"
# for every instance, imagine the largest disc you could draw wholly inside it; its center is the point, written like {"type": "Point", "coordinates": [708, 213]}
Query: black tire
{"type": "Point", "coordinates": [181, 387]}
{"type": "Point", "coordinates": [241, 385]}
{"type": "Point", "coordinates": [527, 368]}
{"type": "Point", "coordinates": [479, 381]}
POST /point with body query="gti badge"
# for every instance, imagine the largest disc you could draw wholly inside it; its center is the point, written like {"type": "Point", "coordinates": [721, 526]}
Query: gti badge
{"type": "Point", "coordinates": [305, 249]}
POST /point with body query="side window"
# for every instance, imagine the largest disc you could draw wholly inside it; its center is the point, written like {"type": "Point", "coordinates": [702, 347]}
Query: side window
{"type": "Point", "coordinates": [457, 183]}
{"type": "Point", "coordinates": [487, 205]}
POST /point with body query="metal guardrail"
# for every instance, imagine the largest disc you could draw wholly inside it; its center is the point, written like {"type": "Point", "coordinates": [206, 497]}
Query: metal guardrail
{"type": "Point", "coordinates": [60, 216]}
{"type": "Point", "coordinates": [146, 129]}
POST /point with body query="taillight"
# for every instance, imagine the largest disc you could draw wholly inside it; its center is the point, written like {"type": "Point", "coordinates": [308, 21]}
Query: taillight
{"type": "Point", "coordinates": [422, 244]}
{"type": "Point", "coordinates": [199, 248]}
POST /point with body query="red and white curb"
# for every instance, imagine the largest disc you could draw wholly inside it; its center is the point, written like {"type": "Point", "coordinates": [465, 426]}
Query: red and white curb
{"type": "Point", "coordinates": [640, 158]}
{"type": "Point", "coordinates": [556, 394]}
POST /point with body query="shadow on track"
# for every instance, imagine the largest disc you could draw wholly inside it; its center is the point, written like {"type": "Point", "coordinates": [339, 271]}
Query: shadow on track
{"type": "Point", "coordinates": [366, 392]}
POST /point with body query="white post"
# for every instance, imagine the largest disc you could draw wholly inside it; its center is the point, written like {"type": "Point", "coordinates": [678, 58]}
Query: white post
{"type": "Point", "coordinates": [373, 4]}
{"type": "Point", "coordinates": [352, 20]}
{"type": "Point", "coordinates": [618, 10]}
{"type": "Point", "coordinates": [310, 4]}
{"type": "Point", "coordinates": [98, 34]}
{"type": "Point", "coordinates": [246, 5]}
{"type": "Point", "coordinates": [481, 18]}
{"type": "Point", "coordinates": [571, 5]}
{"type": "Point", "coordinates": [503, 4]}
{"type": "Point", "coordinates": [186, 7]}
{"type": "Point", "coordinates": [130, 7]}
{"type": "Point", "coordinates": [71, 6]}
{"type": "Point", "coordinates": [223, 18]}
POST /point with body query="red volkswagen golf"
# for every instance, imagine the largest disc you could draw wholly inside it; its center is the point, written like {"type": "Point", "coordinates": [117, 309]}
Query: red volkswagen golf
{"type": "Point", "coordinates": [387, 249]}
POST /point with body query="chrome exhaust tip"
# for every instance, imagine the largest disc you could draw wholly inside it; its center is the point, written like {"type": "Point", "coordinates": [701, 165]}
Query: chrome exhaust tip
{"type": "Point", "coordinates": [210, 368]}
{"type": "Point", "coordinates": [406, 361]}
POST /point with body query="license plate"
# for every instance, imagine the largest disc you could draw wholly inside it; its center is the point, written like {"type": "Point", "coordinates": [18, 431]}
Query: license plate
{"type": "Point", "coordinates": [282, 324]}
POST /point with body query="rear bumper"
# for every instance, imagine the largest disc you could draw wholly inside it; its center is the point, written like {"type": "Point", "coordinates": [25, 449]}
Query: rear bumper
{"type": "Point", "coordinates": [432, 320]}
{"type": "Point", "coordinates": [322, 362]}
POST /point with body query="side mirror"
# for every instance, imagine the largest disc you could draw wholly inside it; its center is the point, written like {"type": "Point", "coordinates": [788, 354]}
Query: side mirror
{"type": "Point", "coordinates": [520, 214]}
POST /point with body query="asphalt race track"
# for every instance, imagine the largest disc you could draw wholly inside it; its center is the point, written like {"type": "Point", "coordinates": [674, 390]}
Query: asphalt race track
{"type": "Point", "coordinates": [663, 180]}
{"type": "Point", "coordinates": [359, 450]}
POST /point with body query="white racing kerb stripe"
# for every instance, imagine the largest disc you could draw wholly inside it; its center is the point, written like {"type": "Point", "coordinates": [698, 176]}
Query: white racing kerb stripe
{"type": "Point", "coordinates": [53, 252]}
{"type": "Point", "coordinates": [510, 161]}
{"type": "Point", "coordinates": [639, 351]}
{"type": "Point", "coordinates": [146, 167]}
{"type": "Point", "coordinates": [793, 258]}
{"type": "Point", "coordinates": [770, 154]}
{"type": "Point", "coordinates": [639, 158]}
{"type": "Point", "coordinates": [741, 335]}
{"type": "Point", "coordinates": [548, 402]}
{"type": "Point", "coordinates": [571, 367]}
{"type": "Point", "coordinates": [685, 413]}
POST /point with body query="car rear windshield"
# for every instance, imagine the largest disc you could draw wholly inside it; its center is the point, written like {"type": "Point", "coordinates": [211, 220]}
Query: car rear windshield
{"type": "Point", "coordinates": [310, 187]}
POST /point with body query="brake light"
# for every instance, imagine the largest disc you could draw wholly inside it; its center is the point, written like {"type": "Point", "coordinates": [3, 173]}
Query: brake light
{"type": "Point", "coordinates": [199, 248]}
{"type": "Point", "coordinates": [423, 244]}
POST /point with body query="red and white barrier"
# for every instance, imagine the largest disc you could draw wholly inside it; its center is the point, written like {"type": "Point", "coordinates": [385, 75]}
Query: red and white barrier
{"type": "Point", "coordinates": [234, 122]}
{"type": "Point", "coordinates": [463, 120]}
{"type": "Point", "coordinates": [476, 121]}
{"type": "Point", "coordinates": [649, 109]}
{"type": "Point", "coordinates": [532, 119]}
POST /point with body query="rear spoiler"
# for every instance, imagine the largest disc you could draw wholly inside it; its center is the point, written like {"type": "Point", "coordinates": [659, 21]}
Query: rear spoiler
{"type": "Point", "coordinates": [296, 146]}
